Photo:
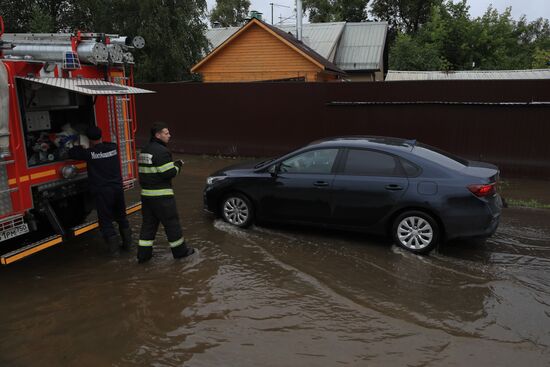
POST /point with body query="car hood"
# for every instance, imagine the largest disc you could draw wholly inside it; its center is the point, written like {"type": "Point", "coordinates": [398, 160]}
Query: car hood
{"type": "Point", "coordinates": [236, 168]}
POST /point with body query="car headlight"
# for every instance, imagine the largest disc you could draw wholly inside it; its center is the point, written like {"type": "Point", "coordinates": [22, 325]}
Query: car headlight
{"type": "Point", "coordinates": [212, 179]}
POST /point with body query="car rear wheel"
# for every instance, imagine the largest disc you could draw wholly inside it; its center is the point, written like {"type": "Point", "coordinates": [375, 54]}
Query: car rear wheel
{"type": "Point", "coordinates": [237, 210]}
{"type": "Point", "coordinates": [415, 231]}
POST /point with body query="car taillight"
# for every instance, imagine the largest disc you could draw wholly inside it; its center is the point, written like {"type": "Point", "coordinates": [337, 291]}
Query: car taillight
{"type": "Point", "coordinates": [482, 190]}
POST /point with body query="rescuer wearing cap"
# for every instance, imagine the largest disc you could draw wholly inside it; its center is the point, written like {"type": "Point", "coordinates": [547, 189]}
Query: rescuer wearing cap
{"type": "Point", "coordinates": [105, 182]}
{"type": "Point", "coordinates": [156, 170]}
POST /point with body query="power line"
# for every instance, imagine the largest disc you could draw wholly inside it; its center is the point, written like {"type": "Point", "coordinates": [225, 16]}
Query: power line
{"type": "Point", "coordinates": [277, 5]}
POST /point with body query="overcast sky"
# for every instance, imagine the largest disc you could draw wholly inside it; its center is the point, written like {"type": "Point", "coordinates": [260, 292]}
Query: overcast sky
{"type": "Point", "coordinates": [533, 9]}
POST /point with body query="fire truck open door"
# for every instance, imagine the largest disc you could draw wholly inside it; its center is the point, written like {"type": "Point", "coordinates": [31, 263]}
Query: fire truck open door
{"type": "Point", "coordinates": [121, 112]}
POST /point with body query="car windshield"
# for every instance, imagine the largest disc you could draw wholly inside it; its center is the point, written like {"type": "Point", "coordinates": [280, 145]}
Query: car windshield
{"type": "Point", "coordinates": [439, 156]}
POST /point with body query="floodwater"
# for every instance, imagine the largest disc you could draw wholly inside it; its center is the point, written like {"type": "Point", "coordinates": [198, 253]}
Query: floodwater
{"type": "Point", "coordinates": [282, 296]}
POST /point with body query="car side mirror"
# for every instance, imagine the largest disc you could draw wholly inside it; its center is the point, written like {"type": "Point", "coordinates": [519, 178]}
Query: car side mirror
{"type": "Point", "coordinates": [273, 170]}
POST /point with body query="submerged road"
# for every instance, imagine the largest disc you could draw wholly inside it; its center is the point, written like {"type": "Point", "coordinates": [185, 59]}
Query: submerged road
{"type": "Point", "coordinates": [282, 296]}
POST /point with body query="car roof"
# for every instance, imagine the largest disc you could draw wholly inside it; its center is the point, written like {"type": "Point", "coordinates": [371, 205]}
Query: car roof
{"type": "Point", "coordinates": [366, 141]}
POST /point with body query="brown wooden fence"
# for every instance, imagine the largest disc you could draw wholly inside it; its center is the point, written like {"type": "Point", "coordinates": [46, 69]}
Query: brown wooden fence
{"type": "Point", "coordinates": [503, 122]}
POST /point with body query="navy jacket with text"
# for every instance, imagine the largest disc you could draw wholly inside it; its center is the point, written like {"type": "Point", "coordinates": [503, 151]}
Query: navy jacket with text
{"type": "Point", "coordinates": [103, 164]}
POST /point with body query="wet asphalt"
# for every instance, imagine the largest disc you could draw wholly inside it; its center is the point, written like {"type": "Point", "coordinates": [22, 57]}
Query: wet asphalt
{"type": "Point", "coordinates": [283, 296]}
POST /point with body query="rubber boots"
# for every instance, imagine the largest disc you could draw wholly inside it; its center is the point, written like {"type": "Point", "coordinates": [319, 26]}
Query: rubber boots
{"type": "Point", "coordinates": [182, 251]}
{"type": "Point", "coordinates": [144, 254]}
{"type": "Point", "coordinates": [111, 245]}
{"type": "Point", "coordinates": [126, 235]}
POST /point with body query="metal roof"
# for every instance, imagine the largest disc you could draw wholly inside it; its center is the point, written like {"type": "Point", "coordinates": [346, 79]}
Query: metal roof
{"type": "Point", "coordinates": [322, 37]}
{"type": "Point", "coordinates": [90, 87]}
{"type": "Point", "coordinates": [217, 36]}
{"type": "Point", "coordinates": [362, 46]}
{"type": "Point", "coordinates": [351, 46]}
{"type": "Point", "coordinates": [396, 75]}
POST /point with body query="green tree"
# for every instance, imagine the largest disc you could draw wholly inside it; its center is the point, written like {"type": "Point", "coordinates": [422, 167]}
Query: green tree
{"type": "Point", "coordinates": [498, 45]}
{"type": "Point", "coordinates": [446, 40]}
{"type": "Point", "coordinates": [35, 15]}
{"type": "Point", "coordinates": [173, 30]}
{"type": "Point", "coordinates": [541, 59]}
{"type": "Point", "coordinates": [451, 30]}
{"type": "Point", "coordinates": [230, 13]}
{"type": "Point", "coordinates": [322, 11]}
{"type": "Point", "coordinates": [174, 33]}
{"type": "Point", "coordinates": [410, 54]}
{"type": "Point", "coordinates": [352, 10]}
{"type": "Point", "coordinates": [15, 14]}
{"type": "Point", "coordinates": [494, 41]}
{"type": "Point", "coordinates": [40, 21]}
{"type": "Point", "coordinates": [535, 36]}
{"type": "Point", "coordinates": [404, 16]}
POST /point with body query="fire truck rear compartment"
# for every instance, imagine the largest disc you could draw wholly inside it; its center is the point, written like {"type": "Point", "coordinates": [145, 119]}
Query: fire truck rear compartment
{"type": "Point", "coordinates": [53, 120]}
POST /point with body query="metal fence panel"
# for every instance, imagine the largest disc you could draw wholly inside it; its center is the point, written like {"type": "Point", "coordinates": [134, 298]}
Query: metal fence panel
{"type": "Point", "coordinates": [503, 121]}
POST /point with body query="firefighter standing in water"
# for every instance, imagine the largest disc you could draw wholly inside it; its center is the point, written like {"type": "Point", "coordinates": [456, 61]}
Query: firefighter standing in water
{"type": "Point", "coordinates": [156, 170]}
{"type": "Point", "coordinates": [106, 187]}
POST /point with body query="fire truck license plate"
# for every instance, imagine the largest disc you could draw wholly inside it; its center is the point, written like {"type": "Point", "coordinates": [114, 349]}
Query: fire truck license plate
{"type": "Point", "coordinates": [14, 232]}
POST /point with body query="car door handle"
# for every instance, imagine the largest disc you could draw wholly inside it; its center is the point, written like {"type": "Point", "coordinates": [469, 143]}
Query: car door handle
{"type": "Point", "coordinates": [393, 187]}
{"type": "Point", "coordinates": [320, 183]}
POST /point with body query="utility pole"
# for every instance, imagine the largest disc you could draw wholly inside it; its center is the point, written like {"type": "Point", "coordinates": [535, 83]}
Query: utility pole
{"type": "Point", "coordinates": [299, 20]}
{"type": "Point", "coordinates": [278, 5]}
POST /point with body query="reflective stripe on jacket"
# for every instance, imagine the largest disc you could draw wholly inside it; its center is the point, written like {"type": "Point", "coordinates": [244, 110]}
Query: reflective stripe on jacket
{"type": "Point", "coordinates": [156, 169]}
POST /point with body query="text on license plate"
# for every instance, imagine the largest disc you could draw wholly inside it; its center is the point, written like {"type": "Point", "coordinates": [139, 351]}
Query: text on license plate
{"type": "Point", "coordinates": [14, 232]}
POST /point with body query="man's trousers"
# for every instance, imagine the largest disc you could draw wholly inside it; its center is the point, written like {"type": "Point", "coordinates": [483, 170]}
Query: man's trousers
{"type": "Point", "coordinates": [110, 207]}
{"type": "Point", "coordinates": [156, 210]}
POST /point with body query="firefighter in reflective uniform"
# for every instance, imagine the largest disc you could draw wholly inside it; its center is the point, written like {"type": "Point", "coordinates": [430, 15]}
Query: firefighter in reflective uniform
{"type": "Point", "coordinates": [156, 170]}
{"type": "Point", "coordinates": [106, 186]}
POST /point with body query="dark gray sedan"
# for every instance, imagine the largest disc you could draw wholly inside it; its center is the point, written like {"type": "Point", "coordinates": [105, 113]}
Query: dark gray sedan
{"type": "Point", "coordinates": [412, 192]}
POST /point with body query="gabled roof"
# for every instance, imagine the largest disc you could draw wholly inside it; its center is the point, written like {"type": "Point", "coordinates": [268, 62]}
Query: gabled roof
{"type": "Point", "coordinates": [287, 38]}
{"type": "Point", "coordinates": [305, 48]}
{"type": "Point", "coordinates": [351, 46]}
{"type": "Point", "coordinates": [395, 75]}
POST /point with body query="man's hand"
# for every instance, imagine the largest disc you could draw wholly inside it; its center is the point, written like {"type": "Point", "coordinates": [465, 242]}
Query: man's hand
{"type": "Point", "coordinates": [179, 163]}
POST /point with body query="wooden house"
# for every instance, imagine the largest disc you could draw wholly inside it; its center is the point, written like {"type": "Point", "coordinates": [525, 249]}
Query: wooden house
{"type": "Point", "coordinates": [357, 48]}
{"type": "Point", "coordinates": [261, 52]}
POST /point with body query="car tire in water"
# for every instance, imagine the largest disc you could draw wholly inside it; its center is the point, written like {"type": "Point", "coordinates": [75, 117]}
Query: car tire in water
{"type": "Point", "coordinates": [415, 231]}
{"type": "Point", "coordinates": [236, 209]}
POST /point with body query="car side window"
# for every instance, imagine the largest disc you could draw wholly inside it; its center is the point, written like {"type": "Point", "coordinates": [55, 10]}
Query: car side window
{"type": "Point", "coordinates": [313, 161]}
{"type": "Point", "coordinates": [371, 163]}
{"type": "Point", "coordinates": [410, 169]}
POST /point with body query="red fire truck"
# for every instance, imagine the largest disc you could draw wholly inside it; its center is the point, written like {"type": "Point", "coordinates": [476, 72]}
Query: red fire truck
{"type": "Point", "coordinates": [52, 87]}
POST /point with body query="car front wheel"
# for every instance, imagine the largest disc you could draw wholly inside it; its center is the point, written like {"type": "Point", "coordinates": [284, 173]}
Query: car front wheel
{"type": "Point", "coordinates": [415, 231]}
{"type": "Point", "coordinates": [237, 210]}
